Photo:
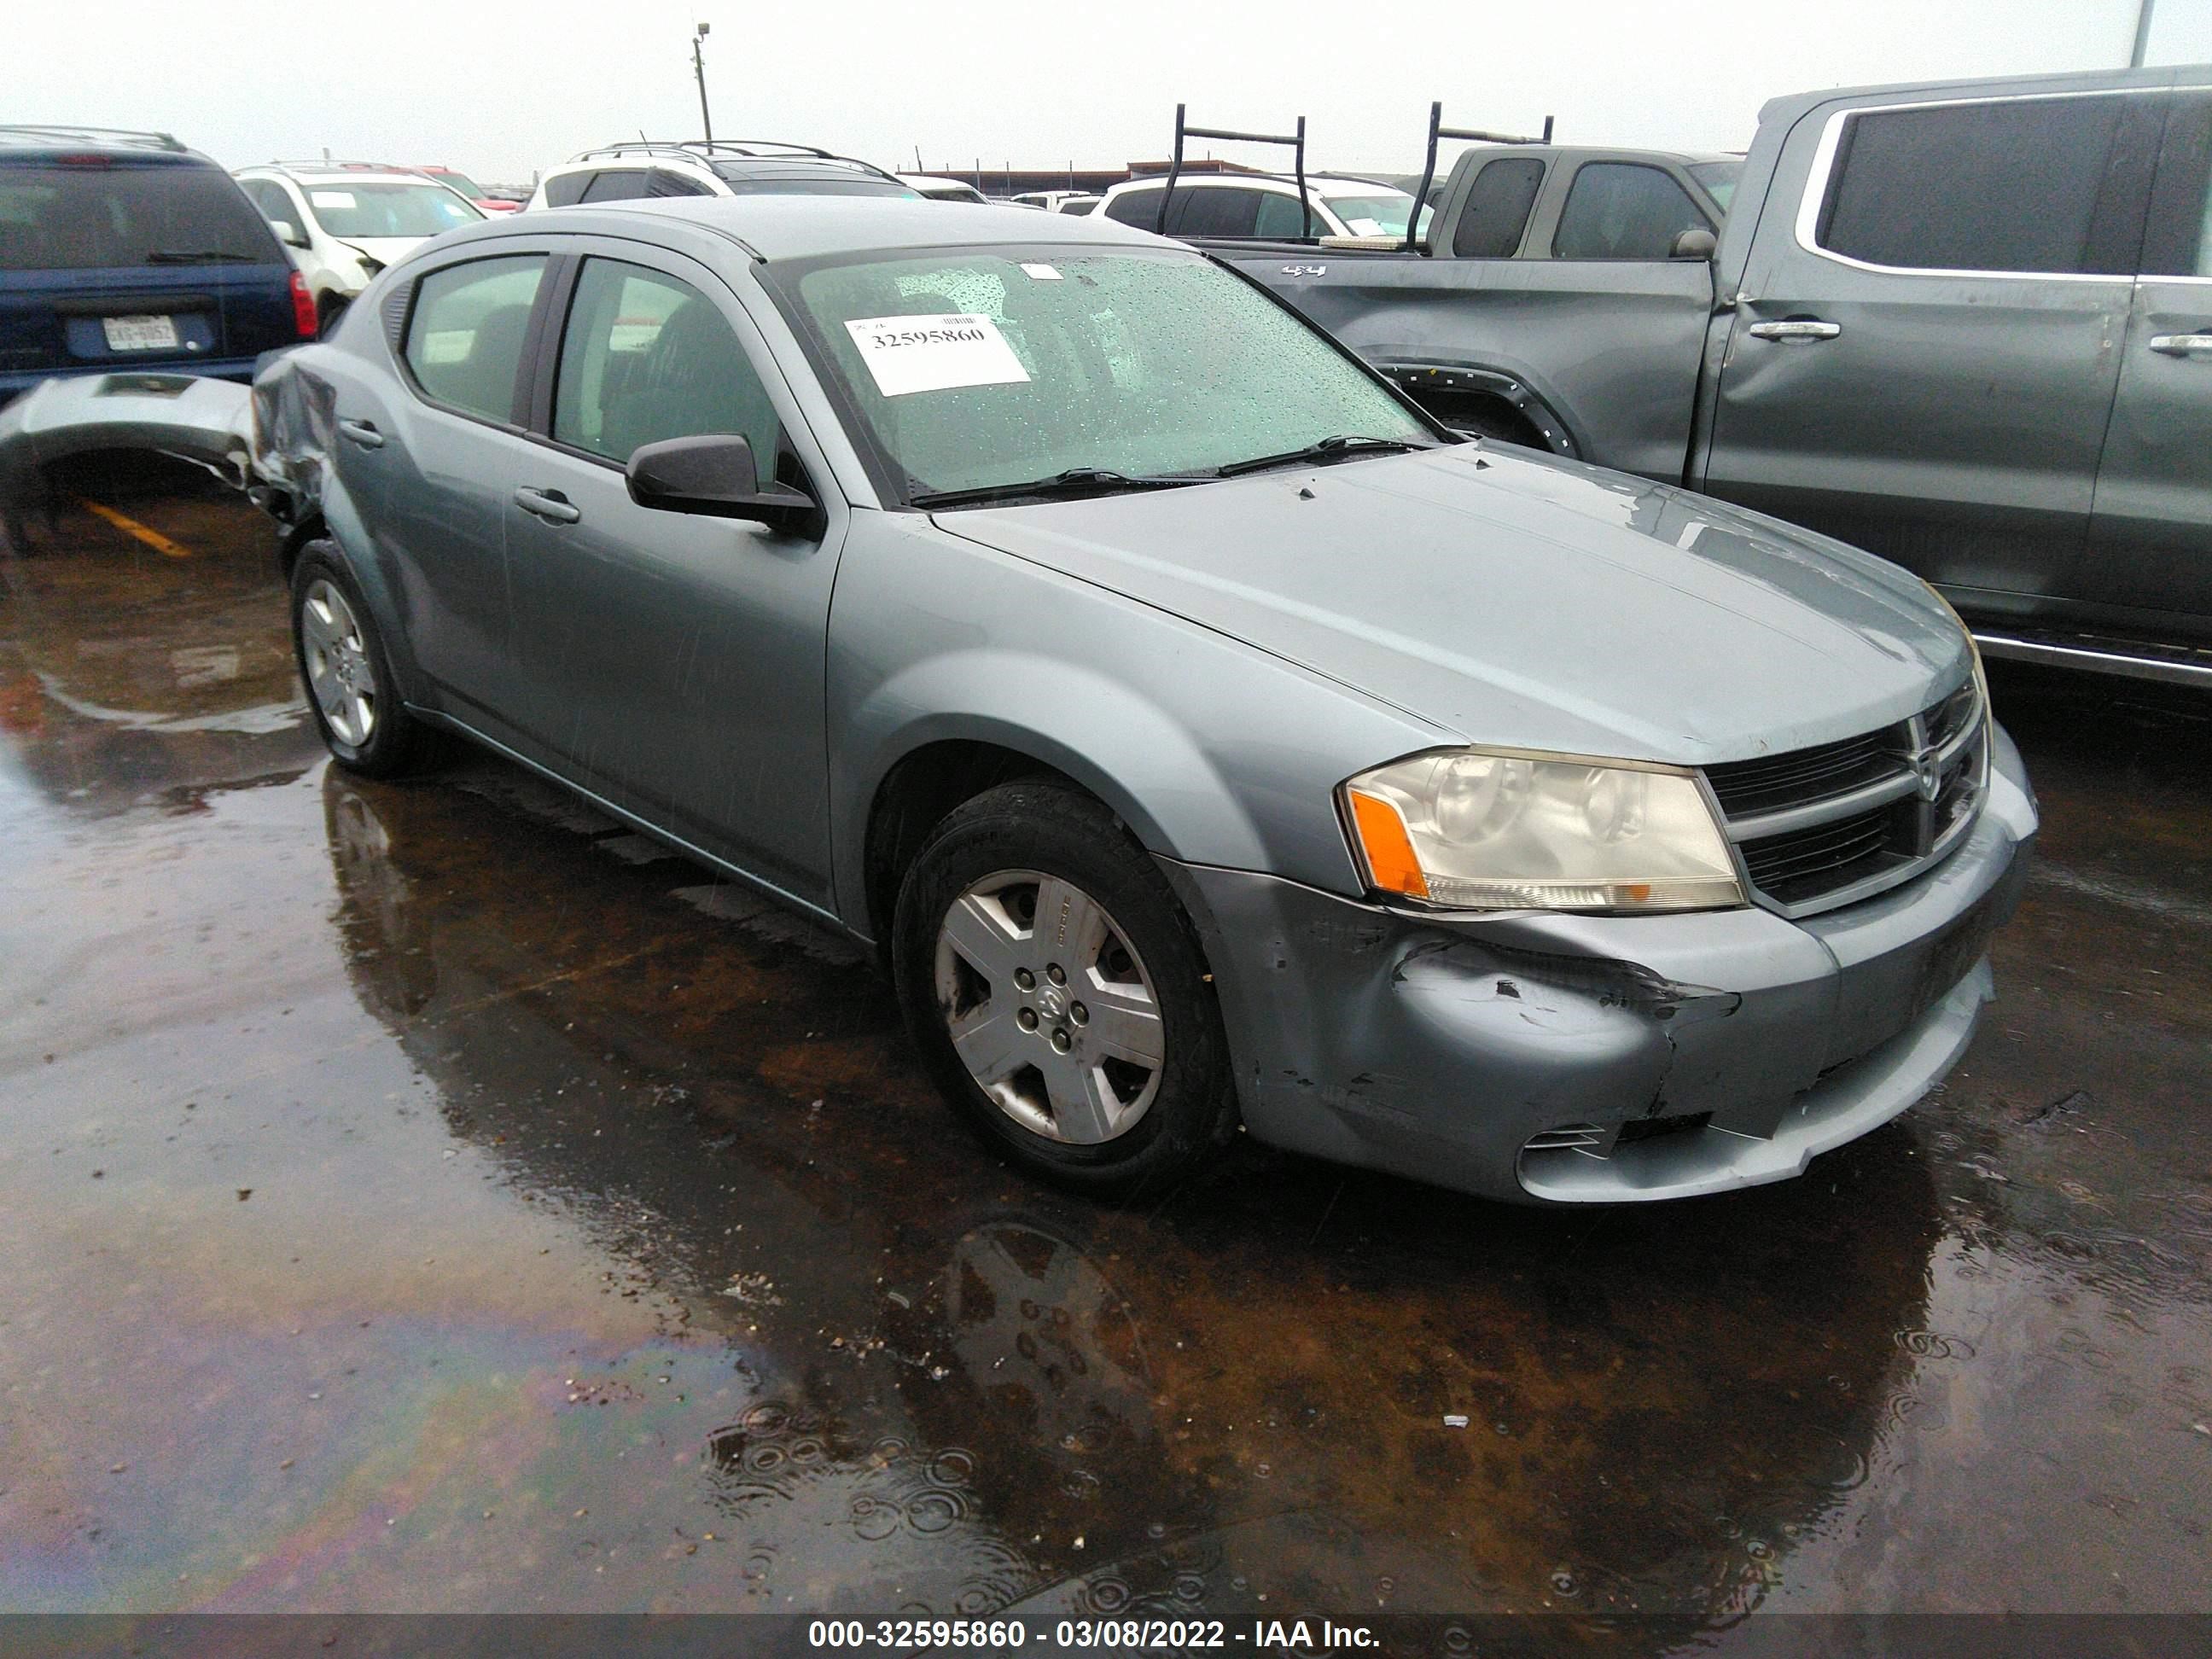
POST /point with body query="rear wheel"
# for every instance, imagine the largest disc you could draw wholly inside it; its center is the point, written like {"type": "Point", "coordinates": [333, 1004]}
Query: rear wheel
{"type": "Point", "coordinates": [1057, 992]}
{"type": "Point", "coordinates": [350, 689]}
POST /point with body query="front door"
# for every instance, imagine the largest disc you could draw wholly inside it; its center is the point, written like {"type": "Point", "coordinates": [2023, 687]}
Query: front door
{"type": "Point", "coordinates": [2150, 543]}
{"type": "Point", "coordinates": [674, 663]}
{"type": "Point", "coordinates": [1923, 363]}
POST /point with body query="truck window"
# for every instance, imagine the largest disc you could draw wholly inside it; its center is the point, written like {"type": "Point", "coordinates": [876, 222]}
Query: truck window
{"type": "Point", "coordinates": [2178, 242]}
{"type": "Point", "coordinates": [1624, 210]}
{"type": "Point", "coordinates": [2048, 185]}
{"type": "Point", "coordinates": [1496, 209]}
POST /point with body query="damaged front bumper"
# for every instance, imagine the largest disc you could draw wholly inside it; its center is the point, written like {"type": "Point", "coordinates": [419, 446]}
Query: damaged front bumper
{"type": "Point", "coordinates": [1576, 1059]}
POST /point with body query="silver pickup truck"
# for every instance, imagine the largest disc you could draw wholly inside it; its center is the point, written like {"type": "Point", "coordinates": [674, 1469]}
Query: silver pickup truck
{"type": "Point", "coordinates": [1965, 325]}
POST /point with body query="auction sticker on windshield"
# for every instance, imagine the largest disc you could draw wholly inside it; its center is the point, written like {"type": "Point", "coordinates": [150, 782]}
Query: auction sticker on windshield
{"type": "Point", "coordinates": [935, 354]}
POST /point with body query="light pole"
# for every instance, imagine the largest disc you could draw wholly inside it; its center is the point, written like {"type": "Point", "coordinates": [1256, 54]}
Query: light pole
{"type": "Point", "coordinates": [699, 68]}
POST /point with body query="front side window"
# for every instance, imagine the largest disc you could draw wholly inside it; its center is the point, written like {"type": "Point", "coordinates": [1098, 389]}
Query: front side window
{"type": "Point", "coordinates": [1497, 211]}
{"type": "Point", "coordinates": [355, 209]}
{"type": "Point", "coordinates": [2037, 185]}
{"type": "Point", "coordinates": [972, 369]}
{"type": "Point", "coordinates": [464, 335]}
{"type": "Point", "coordinates": [1624, 210]}
{"type": "Point", "coordinates": [1719, 178]}
{"type": "Point", "coordinates": [646, 357]}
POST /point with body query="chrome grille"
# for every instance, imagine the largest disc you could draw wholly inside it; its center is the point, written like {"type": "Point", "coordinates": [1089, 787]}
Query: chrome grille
{"type": "Point", "coordinates": [1821, 827]}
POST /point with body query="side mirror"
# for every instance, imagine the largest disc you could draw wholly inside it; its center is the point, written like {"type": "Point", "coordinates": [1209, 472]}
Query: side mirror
{"type": "Point", "coordinates": [1697, 243]}
{"type": "Point", "coordinates": [714, 476]}
{"type": "Point", "coordinates": [287, 232]}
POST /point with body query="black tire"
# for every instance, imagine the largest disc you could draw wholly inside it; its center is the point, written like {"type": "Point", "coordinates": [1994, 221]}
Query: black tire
{"type": "Point", "coordinates": [394, 742]}
{"type": "Point", "coordinates": [1041, 826]}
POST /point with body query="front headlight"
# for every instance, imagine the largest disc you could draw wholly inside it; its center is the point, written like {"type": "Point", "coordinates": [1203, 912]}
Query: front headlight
{"type": "Point", "coordinates": [1496, 830]}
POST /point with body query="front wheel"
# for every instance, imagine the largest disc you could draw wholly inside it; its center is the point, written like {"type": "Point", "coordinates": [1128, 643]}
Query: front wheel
{"type": "Point", "coordinates": [1058, 994]}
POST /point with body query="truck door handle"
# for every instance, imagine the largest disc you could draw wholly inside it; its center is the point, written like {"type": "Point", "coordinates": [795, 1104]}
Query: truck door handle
{"type": "Point", "coordinates": [549, 505]}
{"type": "Point", "coordinates": [2182, 345]}
{"type": "Point", "coordinates": [362, 433]}
{"type": "Point", "coordinates": [1796, 331]}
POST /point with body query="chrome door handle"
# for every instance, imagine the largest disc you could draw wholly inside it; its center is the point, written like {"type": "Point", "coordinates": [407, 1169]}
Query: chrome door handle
{"type": "Point", "coordinates": [1796, 329]}
{"type": "Point", "coordinates": [2182, 345]}
{"type": "Point", "coordinates": [362, 433]}
{"type": "Point", "coordinates": [549, 505]}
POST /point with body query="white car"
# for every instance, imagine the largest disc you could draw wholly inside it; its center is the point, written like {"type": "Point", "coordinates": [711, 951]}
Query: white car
{"type": "Point", "coordinates": [1062, 201]}
{"type": "Point", "coordinates": [344, 221]}
{"type": "Point", "coordinates": [942, 190]}
{"type": "Point", "coordinates": [1262, 205]}
{"type": "Point", "coordinates": [718, 166]}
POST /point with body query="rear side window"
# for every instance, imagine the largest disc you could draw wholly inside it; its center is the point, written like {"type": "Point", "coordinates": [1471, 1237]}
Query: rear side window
{"type": "Point", "coordinates": [465, 336]}
{"type": "Point", "coordinates": [2178, 242]}
{"type": "Point", "coordinates": [1137, 207]}
{"type": "Point", "coordinates": [116, 216]}
{"type": "Point", "coordinates": [2039, 185]}
{"type": "Point", "coordinates": [1624, 210]}
{"type": "Point", "coordinates": [646, 357]}
{"type": "Point", "coordinates": [1497, 211]}
{"type": "Point", "coordinates": [1216, 213]}
{"type": "Point", "coordinates": [663, 182]}
{"type": "Point", "coordinates": [615, 185]}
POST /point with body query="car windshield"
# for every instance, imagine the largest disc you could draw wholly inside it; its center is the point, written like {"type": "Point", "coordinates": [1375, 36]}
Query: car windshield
{"type": "Point", "coordinates": [1373, 215]}
{"type": "Point", "coordinates": [366, 210]}
{"type": "Point", "coordinates": [460, 181]}
{"type": "Point", "coordinates": [971, 369]}
{"type": "Point", "coordinates": [80, 217]}
{"type": "Point", "coordinates": [1719, 180]}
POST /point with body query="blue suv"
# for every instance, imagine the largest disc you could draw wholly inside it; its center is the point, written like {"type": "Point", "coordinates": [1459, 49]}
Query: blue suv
{"type": "Point", "coordinates": [125, 251]}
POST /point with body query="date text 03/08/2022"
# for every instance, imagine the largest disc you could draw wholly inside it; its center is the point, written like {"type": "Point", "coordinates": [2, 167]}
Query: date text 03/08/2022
{"type": "Point", "coordinates": [1263, 1635]}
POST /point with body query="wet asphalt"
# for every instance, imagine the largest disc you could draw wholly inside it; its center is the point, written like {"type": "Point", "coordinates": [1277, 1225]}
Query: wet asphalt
{"type": "Point", "coordinates": [433, 1196]}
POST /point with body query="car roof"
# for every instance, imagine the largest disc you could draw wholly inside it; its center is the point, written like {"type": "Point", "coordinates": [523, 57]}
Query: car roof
{"type": "Point", "coordinates": [1315, 181]}
{"type": "Point", "coordinates": [320, 174]}
{"type": "Point", "coordinates": [775, 227]}
{"type": "Point", "coordinates": [34, 143]}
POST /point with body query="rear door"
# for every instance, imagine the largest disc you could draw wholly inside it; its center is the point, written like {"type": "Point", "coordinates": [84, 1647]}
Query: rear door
{"type": "Point", "coordinates": [673, 662]}
{"type": "Point", "coordinates": [2150, 539]}
{"type": "Point", "coordinates": [439, 464]}
{"type": "Point", "coordinates": [1924, 354]}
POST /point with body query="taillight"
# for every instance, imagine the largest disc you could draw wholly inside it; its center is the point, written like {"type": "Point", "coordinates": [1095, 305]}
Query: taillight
{"type": "Point", "coordinates": [303, 308]}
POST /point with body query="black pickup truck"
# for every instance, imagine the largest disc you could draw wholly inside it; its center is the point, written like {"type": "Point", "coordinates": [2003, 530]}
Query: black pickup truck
{"type": "Point", "coordinates": [1967, 326]}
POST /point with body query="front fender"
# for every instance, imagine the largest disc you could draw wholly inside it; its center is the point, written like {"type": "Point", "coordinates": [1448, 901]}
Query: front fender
{"type": "Point", "coordinates": [1131, 752]}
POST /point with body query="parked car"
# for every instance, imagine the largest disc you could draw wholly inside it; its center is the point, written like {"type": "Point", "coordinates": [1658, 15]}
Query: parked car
{"type": "Point", "coordinates": [344, 221]}
{"type": "Point", "coordinates": [1260, 204]}
{"type": "Point", "coordinates": [941, 189]}
{"type": "Point", "coordinates": [1966, 325]}
{"type": "Point", "coordinates": [1202, 732]}
{"type": "Point", "coordinates": [1058, 201]}
{"type": "Point", "coordinates": [127, 251]}
{"type": "Point", "coordinates": [480, 196]}
{"type": "Point", "coordinates": [743, 166]}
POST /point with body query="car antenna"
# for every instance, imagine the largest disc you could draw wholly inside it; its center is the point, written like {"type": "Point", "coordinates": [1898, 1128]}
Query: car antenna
{"type": "Point", "coordinates": [1437, 129]}
{"type": "Point", "coordinates": [1296, 142]}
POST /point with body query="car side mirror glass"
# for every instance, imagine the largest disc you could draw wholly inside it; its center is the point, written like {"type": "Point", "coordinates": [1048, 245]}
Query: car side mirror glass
{"type": "Point", "coordinates": [287, 232]}
{"type": "Point", "coordinates": [1697, 243]}
{"type": "Point", "coordinates": [716, 476]}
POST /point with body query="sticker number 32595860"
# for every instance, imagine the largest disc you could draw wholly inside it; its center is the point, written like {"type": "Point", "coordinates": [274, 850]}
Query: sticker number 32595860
{"type": "Point", "coordinates": [932, 354]}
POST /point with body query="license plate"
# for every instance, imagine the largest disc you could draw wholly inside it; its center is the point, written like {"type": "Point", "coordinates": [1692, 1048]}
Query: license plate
{"type": "Point", "coordinates": [140, 333]}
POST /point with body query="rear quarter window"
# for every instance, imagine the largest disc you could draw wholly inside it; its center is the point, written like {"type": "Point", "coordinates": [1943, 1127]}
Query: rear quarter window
{"type": "Point", "coordinates": [1497, 211]}
{"type": "Point", "coordinates": [465, 331]}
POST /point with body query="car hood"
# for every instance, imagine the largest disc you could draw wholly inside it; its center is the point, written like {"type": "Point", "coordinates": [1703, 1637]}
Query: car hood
{"type": "Point", "coordinates": [1512, 597]}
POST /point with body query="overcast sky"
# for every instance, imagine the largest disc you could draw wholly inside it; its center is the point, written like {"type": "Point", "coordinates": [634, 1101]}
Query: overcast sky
{"type": "Point", "coordinates": [503, 90]}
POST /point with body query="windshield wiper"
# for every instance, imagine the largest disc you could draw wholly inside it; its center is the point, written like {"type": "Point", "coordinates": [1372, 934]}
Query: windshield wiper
{"type": "Point", "coordinates": [1327, 449]}
{"type": "Point", "coordinates": [1076, 481]}
{"type": "Point", "coordinates": [205, 256]}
